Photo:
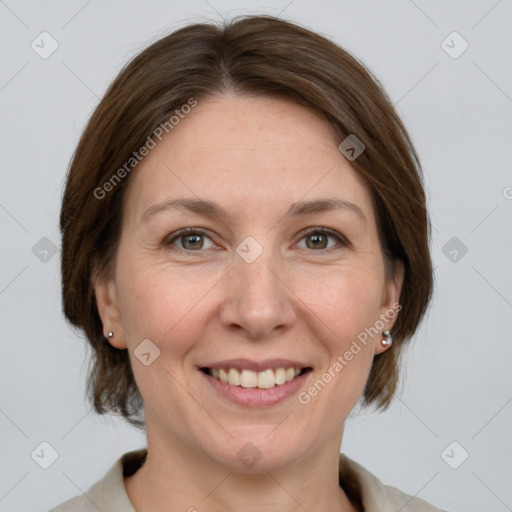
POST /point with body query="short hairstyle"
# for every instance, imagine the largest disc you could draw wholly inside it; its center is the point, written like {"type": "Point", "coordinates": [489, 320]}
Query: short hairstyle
{"type": "Point", "coordinates": [255, 56]}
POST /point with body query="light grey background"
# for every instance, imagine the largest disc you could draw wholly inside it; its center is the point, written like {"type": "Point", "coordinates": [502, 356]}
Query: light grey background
{"type": "Point", "coordinates": [459, 113]}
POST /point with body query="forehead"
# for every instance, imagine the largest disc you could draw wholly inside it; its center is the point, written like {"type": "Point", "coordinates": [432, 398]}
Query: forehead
{"type": "Point", "coordinates": [248, 153]}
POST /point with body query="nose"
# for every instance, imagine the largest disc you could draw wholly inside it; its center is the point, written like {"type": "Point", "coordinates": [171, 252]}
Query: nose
{"type": "Point", "coordinates": [258, 298]}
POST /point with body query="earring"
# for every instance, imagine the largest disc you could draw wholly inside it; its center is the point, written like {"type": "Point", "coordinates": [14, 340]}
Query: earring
{"type": "Point", "coordinates": [387, 341]}
{"type": "Point", "coordinates": [110, 334]}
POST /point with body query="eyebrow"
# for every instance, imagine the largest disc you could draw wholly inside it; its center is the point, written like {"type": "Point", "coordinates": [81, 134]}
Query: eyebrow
{"type": "Point", "coordinates": [211, 209]}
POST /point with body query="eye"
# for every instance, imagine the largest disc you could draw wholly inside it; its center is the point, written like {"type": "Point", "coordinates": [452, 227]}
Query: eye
{"type": "Point", "coordinates": [193, 239]}
{"type": "Point", "coordinates": [190, 239]}
{"type": "Point", "coordinates": [319, 239]}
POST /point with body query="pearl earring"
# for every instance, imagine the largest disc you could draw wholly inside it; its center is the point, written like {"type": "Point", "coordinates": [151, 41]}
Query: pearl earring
{"type": "Point", "coordinates": [110, 334]}
{"type": "Point", "coordinates": [387, 341]}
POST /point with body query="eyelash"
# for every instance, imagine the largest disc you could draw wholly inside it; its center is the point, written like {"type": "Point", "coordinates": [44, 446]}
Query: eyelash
{"type": "Point", "coordinates": [320, 230]}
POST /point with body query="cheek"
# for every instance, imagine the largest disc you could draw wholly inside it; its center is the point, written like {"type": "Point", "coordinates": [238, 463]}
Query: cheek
{"type": "Point", "coordinates": [161, 303]}
{"type": "Point", "coordinates": [339, 315]}
{"type": "Point", "coordinates": [166, 307]}
{"type": "Point", "coordinates": [344, 312]}
{"type": "Point", "coordinates": [347, 299]}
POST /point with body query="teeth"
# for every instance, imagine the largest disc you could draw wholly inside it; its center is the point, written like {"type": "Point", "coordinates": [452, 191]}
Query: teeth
{"type": "Point", "coordinates": [234, 377]}
{"type": "Point", "coordinates": [250, 379]}
{"type": "Point", "coordinates": [280, 375]}
{"type": "Point", "coordinates": [266, 379]}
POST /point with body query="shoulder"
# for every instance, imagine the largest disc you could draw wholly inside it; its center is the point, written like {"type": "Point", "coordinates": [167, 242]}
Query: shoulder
{"type": "Point", "coordinates": [91, 501]}
{"type": "Point", "coordinates": [109, 493]}
{"type": "Point", "coordinates": [374, 495]}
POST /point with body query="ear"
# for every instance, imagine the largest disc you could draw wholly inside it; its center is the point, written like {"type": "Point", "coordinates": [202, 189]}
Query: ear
{"type": "Point", "coordinates": [390, 303]}
{"type": "Point", "coordinates": [106, 300]}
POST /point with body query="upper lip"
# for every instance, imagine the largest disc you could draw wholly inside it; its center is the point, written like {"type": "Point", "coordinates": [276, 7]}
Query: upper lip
{"type": "Point", "coordinates": [257, 366]}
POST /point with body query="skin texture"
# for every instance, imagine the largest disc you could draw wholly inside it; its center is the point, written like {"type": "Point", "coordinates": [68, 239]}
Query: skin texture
{"type": "Point", "coordinates": [254, 157]}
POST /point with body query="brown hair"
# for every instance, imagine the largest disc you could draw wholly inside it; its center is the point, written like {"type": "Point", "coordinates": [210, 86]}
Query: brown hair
{"type": "Point", "coordinates": [255, 55]}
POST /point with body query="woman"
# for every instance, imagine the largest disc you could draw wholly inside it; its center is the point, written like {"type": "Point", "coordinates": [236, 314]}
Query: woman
{"type": "Point", "coordinates": [245, 245]}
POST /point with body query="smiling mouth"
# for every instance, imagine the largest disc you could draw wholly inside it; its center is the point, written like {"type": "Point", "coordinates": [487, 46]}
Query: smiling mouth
{"type": "Point", "coordinates": [246, 378]}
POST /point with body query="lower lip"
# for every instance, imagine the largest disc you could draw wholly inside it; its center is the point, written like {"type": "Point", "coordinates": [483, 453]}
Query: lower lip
{"type": "Point", "coordinates": [256, 397]}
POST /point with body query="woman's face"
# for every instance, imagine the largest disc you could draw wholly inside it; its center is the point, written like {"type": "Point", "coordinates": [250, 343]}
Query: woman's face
{"type": "Point", "coordinates": [253, 286]}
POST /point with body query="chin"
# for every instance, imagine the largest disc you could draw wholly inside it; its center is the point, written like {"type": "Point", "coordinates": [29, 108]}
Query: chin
{"type": "Point", "coordinates": [259, 449]}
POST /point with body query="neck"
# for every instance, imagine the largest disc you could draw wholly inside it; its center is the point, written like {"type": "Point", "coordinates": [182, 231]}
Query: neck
{"type": "Point", "coordinates": [175, 477]}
